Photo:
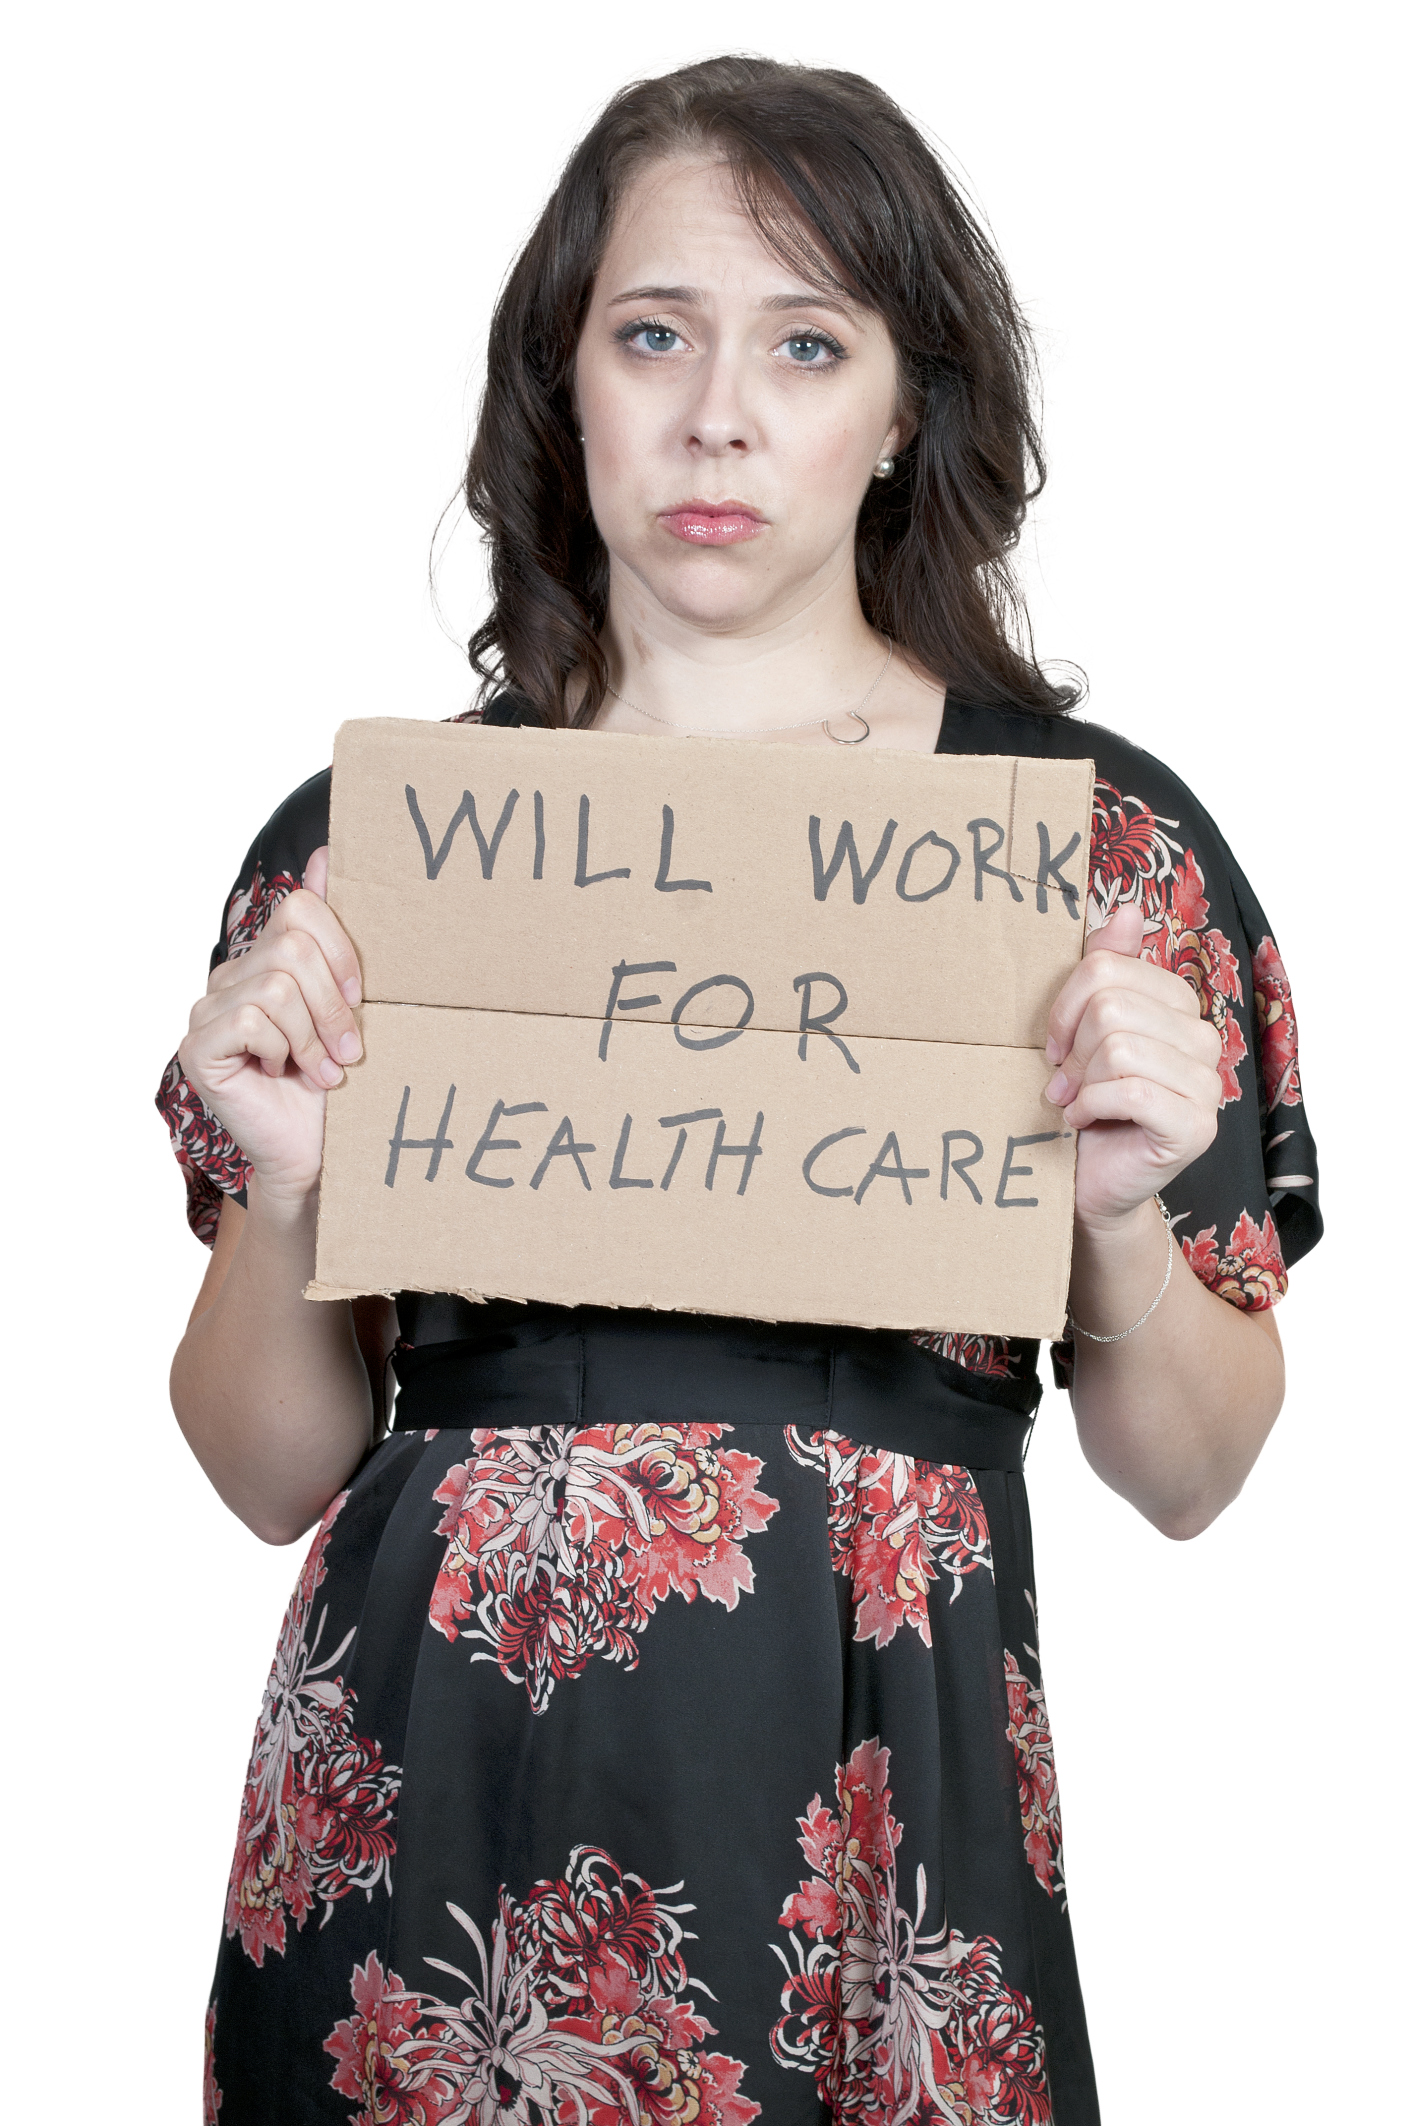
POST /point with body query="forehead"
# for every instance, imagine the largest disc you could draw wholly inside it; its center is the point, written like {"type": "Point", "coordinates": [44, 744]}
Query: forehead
{"type": "Point", "coordinates": [680, 221]}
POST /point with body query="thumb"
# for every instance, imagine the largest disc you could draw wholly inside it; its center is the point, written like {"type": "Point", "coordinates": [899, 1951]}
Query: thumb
{"type": "Point", "coordinates": [316, 873]}
{"type": "Point", "coordinates": [1122, 933]}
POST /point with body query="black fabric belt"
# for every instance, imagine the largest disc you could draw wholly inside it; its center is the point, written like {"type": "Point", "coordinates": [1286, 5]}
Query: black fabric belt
{"type": "Point", "coordinates": [599, 1366]}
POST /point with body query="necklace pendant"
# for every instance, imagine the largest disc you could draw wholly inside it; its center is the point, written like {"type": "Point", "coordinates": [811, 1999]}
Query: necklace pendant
{"type": "Point", "coordinates": [772, 730]}
{"type": "Point", "coordinates": [866, 731]}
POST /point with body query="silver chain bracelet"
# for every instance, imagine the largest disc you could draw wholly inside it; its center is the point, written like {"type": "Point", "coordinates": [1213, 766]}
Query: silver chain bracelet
{"type": "Point", "coordinates": [1124, 1333]}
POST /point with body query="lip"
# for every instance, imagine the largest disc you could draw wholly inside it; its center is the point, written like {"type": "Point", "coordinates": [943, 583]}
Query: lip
{"type": "Point", "coordinates": [700, 523]}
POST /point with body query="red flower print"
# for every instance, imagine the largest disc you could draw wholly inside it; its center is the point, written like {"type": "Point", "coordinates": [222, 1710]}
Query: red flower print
{"type": "Point", "coordinates": [561, 1542]}
{"type": "Point", "coordinates": [211, 2098]}
{"type": "Point", "coordinates": [1279, 1037]}
{"type": "Point", "coordinates": [894, 2024]}
{"type": "Point", "coordinates": [1137, 857]}
{"type": "Point", "coordinates": [586, 1926]}
{"type": "Point", "coordinates": [993, 1357]}
{"type": "Point", "coordinates": [1003, 2071]}
{"type": "Point", "coordinates": [670, 2078]}
{"type": "Point", "coordinates": [318, 1815]}
{"type": "Point", "coordinates": [212, 1163]}
{"type": "Point", "coordinates": [895, 1524]}
{"type": "Point", "coordinates": [387, 2070]}
{"type": "Point", "coordinates": [580, 2011]}
{"type": "Point", "coordinates": [1182, 941]}
{"type": "Point", "coordinates": [1029, 1737]}
{"type": "Point", "coordinates": [251, 908]}
{"type": "Point", "coordinates": [1130, 855]}
{"type": "Point", "coordinates": [1251, 1273]}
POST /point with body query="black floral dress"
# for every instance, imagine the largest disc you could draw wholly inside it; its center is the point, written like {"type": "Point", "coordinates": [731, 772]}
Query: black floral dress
{"type": "Point", "coordinates": [656, 1732]}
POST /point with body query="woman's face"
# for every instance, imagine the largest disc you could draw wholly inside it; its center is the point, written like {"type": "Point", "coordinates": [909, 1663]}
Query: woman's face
{"type": "Point", "coordinates": [732, 414]}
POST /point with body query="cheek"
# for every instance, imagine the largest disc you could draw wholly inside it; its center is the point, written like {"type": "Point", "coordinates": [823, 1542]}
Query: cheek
{"type": "Point", "coordinates": [825, 459]}
{"type": "Point", "coordinates": [620, 427]}
{"type": "Point", "coordinates": [621, 445]}
{"type": "Point", "coordinates": [831, 429]}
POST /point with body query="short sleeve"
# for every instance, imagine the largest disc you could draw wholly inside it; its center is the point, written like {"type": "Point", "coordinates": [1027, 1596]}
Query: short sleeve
{"type": "Point", "coordinates": [1249, 1207]}
{"type": "Point", "coordinates": [212, 1163]}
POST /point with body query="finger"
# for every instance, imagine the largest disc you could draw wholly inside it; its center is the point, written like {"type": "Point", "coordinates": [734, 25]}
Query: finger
{"type": "Point", "coordinates": [1113, 1012]}
{"type": "Point", "coordinates": [302, 913]}
{"type": "Point", "coordinates": [316, 873]}
{"type": "Point", "coordinates": [1122, 933]}
{"type": "Point", "coordinates": [308, 912]}
{"type": "Point", "coordinates": [280, 995]}
{"type": "Point", "coordinates": [1176, 1128]}
{"type": "Point", "coordinates": [295, 953]}
{"type": "Point", "coordinates": [1138, 1055]}
{"type": "Point", "coordinates": [299, 950]}
{"type": "Point", "coordinates": [293, 948]}
{"type": "Point", "coordinates": [274, 994]}
{"type": "Point", "coordinates": [233, 1036]}
{"type": "Point", "coordinates": [1102, 970]}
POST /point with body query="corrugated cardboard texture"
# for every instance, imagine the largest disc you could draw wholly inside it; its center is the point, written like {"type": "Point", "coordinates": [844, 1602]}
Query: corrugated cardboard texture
{"type": "Point", "coordinates": [791, 945]}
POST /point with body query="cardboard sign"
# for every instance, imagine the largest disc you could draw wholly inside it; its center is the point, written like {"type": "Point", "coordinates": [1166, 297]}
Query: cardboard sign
{"type": "Point", "coordinates": [705, 1024]}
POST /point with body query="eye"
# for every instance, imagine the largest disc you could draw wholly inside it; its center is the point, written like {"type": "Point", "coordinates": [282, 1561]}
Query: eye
{"type": "Point", "coordinates": [647, 336]}
{"type": "Point", "coordinates": [812, 350]}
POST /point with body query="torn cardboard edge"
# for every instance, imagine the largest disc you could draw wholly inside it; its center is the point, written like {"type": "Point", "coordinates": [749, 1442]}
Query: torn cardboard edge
{"type": "Point", "coordinates": [316, 1292]}
{"type": "Point", "coordinates": [333, 1292]}
{"type": "Point", "coordinates": [957, 1265]}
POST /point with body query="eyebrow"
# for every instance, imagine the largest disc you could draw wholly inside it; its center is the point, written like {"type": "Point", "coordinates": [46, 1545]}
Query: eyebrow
{"type": "Point", "coordinates": [813, 299]}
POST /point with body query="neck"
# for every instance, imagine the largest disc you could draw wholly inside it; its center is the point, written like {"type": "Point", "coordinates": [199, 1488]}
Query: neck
{"type": "Point", "coordinates": [821, 657]}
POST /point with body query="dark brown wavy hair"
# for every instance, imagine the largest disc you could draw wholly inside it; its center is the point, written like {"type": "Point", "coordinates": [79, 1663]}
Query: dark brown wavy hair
{"type": "Point", "coordinates": [843, 187]}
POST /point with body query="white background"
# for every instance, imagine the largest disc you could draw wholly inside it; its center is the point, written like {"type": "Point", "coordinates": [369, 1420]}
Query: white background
{"type": "Point", "coordinates": [251, 259]}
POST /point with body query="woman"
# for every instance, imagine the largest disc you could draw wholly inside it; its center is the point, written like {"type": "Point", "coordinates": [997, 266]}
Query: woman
{"type": "Point", "coordinates": [680, 1752]}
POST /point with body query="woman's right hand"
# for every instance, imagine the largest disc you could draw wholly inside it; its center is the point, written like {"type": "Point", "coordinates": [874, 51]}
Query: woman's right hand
{"type": "Point", "coordinates": [273, 1033]}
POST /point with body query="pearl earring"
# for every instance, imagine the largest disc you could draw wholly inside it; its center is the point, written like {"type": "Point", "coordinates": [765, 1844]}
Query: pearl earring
{"type": "Point", "coordinates": [885, 468]}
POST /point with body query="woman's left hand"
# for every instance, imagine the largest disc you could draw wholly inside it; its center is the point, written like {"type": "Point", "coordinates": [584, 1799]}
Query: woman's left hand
{"type": "Point", "coordinates": [1135, 1073]}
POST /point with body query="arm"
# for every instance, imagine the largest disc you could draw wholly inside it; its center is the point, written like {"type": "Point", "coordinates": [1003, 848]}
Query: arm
{"type": "Point", "coordinates": [272, 1391]}
{"type": "Point", "coordinates": [1173, 1416]}
{"type": "Point", "coordinates": [279, 1399]}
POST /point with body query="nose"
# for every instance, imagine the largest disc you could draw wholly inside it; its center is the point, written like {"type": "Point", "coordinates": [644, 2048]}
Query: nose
{"type": "Point", "coordinates": [719, 422]}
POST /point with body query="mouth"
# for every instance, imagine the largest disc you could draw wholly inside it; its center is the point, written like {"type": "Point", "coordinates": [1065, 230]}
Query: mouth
{"type": "Point", "coordinates": [712, 523]}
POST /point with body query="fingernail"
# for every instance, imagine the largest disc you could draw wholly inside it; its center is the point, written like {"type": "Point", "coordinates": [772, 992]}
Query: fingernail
{"type": "Point", "coordinates": [1051, 1050]}
{"type": "Point", "coordinates": [350, 1048]}
{"type": "Point", "coordinates": [352, 991]}
{"type": "Point", "coordinates": [329, 1071]}
{"type": "Point", "coordinates": [1058, 1091]}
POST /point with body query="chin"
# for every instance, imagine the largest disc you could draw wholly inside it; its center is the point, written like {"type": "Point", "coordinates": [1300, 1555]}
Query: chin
{"type": "Point", "coordinates": [717, 591]}
{"type": "Point", "coordinates": [723, 615]}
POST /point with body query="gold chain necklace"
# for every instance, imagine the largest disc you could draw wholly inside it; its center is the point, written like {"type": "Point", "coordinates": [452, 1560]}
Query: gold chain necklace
{"type": "Point", "coordinates": [690, 730]}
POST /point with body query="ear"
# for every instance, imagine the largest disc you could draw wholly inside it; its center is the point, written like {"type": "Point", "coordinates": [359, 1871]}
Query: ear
{"type": "Point", "coordinates": [906, 420]}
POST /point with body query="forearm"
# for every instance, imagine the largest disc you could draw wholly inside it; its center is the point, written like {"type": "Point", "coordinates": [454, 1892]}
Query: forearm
{"type": "Point", "coordinates": [1174, 1416]}
{"type": "Point", "coordinates": [269, 1388]}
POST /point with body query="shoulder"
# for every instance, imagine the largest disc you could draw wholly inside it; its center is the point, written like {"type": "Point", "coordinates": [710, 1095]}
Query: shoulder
{"type": "Point", "coordinates": [294, 830]}
{"type": "Point", "coordinates": [1143, 813]}
{"type": "Point", "coordinates": [505, 710]}
{"type": "Point", "coordinates": [274, 864]}
{"type": "Point", "coordinates": [278, 857]}
{"type": "Point", "coordinates": [299, 825]}
{"type": "Point", "coordinates": [969, 727]}
{"type": "Point", "coordinates": [1152, 842]}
